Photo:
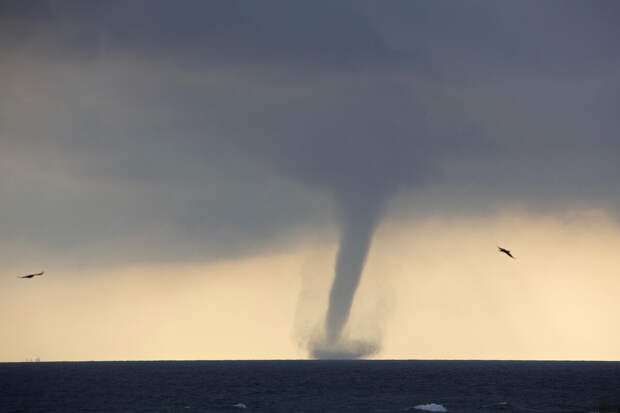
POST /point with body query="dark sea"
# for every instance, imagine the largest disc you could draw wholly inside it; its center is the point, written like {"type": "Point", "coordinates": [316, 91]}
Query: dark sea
{"type": "Point", "coordinates": [310, 386]}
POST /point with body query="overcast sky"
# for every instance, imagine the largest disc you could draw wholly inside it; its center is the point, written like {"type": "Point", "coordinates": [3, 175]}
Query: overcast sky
{"type": "Point", "coordinates": [143, 137]}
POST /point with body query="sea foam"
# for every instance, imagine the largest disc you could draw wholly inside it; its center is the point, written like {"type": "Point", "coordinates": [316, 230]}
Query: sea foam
{"type": "Point", "coordinates": [431, 407]}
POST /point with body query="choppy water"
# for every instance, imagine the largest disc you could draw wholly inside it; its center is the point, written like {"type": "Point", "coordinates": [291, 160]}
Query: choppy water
{"type": "Point", "coordinates": [310, 386]}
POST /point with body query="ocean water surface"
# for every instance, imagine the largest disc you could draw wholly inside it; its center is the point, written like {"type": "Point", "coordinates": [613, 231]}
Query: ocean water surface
{"type": "Point", "coordinates": [310, 386]}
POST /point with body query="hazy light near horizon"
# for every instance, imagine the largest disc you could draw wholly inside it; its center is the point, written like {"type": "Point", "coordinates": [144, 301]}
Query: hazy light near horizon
{"type": "Point", "coordinates": [432, 288]}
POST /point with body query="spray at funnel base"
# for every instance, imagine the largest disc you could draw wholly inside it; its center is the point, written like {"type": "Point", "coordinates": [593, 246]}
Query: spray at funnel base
{"type": "Point", "coordinates": [344, 350]}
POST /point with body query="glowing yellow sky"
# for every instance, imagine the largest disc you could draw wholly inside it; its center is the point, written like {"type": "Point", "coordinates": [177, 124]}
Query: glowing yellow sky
{"type": "Point", "coordinates": [432, 288]}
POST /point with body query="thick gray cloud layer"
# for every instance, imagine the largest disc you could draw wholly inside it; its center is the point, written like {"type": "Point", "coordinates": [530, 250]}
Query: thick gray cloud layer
{"type": "Point", "coordinates": [152, 130]}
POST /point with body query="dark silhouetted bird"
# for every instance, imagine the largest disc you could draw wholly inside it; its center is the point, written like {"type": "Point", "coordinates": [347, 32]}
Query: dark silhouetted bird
{"type": "Point", "coordinates": [505, 251]}
{"type": "Point", "coordinates": [32, 275]}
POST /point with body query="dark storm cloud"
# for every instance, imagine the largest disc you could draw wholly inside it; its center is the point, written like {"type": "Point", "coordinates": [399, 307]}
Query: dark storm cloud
{"type": "Point", "coordinates": [484, 36]}
{"type": "Point", "coordinates": [197, 32]}
{"type": "Point", "coordinates": [147, 129]}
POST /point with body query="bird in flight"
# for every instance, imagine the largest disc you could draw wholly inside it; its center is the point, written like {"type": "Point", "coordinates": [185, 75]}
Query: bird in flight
{"type": "Point", "coordinates": [32, 275]}
{"type": "Point", "coordinates": [505, 251]}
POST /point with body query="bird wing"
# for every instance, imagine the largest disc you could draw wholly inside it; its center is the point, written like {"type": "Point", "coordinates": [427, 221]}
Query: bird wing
{"type": "Point", "coordinates": [505, 251]}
